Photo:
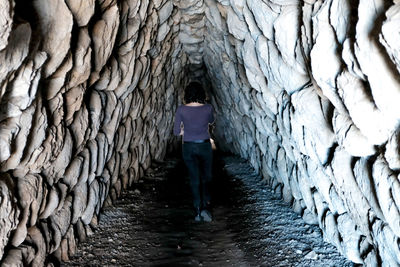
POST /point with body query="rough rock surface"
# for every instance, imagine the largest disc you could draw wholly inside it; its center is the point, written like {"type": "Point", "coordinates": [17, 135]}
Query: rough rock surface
{"type": "Point", "coordinates": [308, 91]}
{"type": "Point", "coordinates": [83, 93]}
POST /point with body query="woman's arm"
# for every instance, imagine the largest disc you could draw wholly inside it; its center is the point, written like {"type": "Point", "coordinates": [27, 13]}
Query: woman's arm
{"type": "Point", "coordinates": [182, 131]}
{"type": "Point", "coordinates": [211, 121]}
{"type": "Point", "coordinates": [178, 124]}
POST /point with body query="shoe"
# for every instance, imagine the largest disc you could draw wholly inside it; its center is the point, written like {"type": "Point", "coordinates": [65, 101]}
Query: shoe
{"type": "Point", "coordinates": [206, 215]}
{"type": "Point", "coordinates": [197, 218]}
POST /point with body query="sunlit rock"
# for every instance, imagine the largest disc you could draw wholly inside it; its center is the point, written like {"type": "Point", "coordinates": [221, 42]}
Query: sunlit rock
{"type": "Point", "coordinates": [55, 20]}
{"type": "Point", "coordinates": [308, 114]}
{"type": "Point", "coordinates": [392, 153]}
{"type": "Point", "coordinates": [103, 36]}
{"type": "Point", "coordinates": [82, 10]}
{"type": "Point", "coordinates": [388, 37]}
{"type": "Point", "coordinates": [350, 137]}
{"type": "Point", "coordinates": [15, 53]}
{"type": "Point", "coordinates": [371, 121]}
{"type": "Point", "coordinates": [384, 84]}
{"type": "Point", "coordinates": [237, 26]}
{"type": "Point", "coordinates": [6, 13]}
{"type": "Point", "coordinates": [9, 212]}
{"type": "Point", "coordinates": [165, 12]}
{"type": "Point", "coordinates": [276, 69]}
{"type": "Point", "coordinates": [385, 181]}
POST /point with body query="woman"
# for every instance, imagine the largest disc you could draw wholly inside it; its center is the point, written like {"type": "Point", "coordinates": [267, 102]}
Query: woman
{"type": "Point", "coordinates": [192, 120]}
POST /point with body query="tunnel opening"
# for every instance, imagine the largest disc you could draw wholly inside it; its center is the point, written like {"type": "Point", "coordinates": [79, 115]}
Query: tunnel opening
{"type": "Point", "coordinates": [88, 91]}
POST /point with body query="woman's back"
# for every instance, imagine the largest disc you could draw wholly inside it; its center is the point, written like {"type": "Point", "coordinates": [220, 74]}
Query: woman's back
{"type": "Point", "coordinates": [195, 120]}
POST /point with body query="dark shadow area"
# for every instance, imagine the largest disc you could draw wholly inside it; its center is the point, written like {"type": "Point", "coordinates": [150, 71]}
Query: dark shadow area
{"type": "Point", "coordinates": [152, 224]}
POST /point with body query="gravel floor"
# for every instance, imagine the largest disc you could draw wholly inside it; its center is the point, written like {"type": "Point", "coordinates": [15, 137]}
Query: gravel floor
{"type": "Point", "coordinates": [152, 225]}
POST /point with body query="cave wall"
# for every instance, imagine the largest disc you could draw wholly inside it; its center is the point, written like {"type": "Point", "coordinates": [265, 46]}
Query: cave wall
{"type": "Point", "coordinates": [309, 92]}
{"type": "Point", "coordinates": [88, 91]}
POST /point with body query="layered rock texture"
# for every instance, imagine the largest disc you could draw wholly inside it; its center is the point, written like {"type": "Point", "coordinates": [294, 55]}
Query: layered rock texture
{"type": "Point", "coordinates": [308, 91]}
{"type": "Point", "coordinates": [87, 96]}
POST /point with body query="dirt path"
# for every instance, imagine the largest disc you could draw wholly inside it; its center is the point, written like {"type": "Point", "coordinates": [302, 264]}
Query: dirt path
{"type": "Point", "coordinates": [152, 225]}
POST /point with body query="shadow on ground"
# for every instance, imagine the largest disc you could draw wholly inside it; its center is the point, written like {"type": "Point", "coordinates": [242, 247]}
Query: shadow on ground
{"type": "Point", "coordinates": [152, 225]}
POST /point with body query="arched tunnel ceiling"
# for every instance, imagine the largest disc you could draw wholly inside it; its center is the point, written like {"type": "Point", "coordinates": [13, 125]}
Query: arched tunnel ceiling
{"type": "Point", "coordinates": [308, 91]}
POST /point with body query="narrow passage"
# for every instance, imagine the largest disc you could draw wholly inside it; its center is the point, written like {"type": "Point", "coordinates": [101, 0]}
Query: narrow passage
{"type": "Point", "coordinates": [152, 225]}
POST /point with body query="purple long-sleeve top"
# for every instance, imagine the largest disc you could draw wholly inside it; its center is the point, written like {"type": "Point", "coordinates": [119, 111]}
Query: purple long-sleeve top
{"type": "Point", "coordinates": [195, 120]}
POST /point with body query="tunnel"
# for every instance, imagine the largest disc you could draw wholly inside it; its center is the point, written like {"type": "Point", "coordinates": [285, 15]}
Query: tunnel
{"type": "Point", "coordinates": [307, 91]}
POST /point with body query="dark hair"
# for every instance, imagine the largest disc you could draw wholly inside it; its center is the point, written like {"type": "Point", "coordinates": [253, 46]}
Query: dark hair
{"type": "Point", "coordinates": [194, 92]}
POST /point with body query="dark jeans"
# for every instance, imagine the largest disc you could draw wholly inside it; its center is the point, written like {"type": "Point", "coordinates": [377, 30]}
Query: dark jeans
{"type": "Point", "coordinates": [198, 160]}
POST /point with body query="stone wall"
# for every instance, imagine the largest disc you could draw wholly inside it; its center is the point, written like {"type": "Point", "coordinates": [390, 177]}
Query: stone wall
{"type": "Point", "coordinates": [309, 92]}
{"type": "Point", "coordinates": [88, 91]}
